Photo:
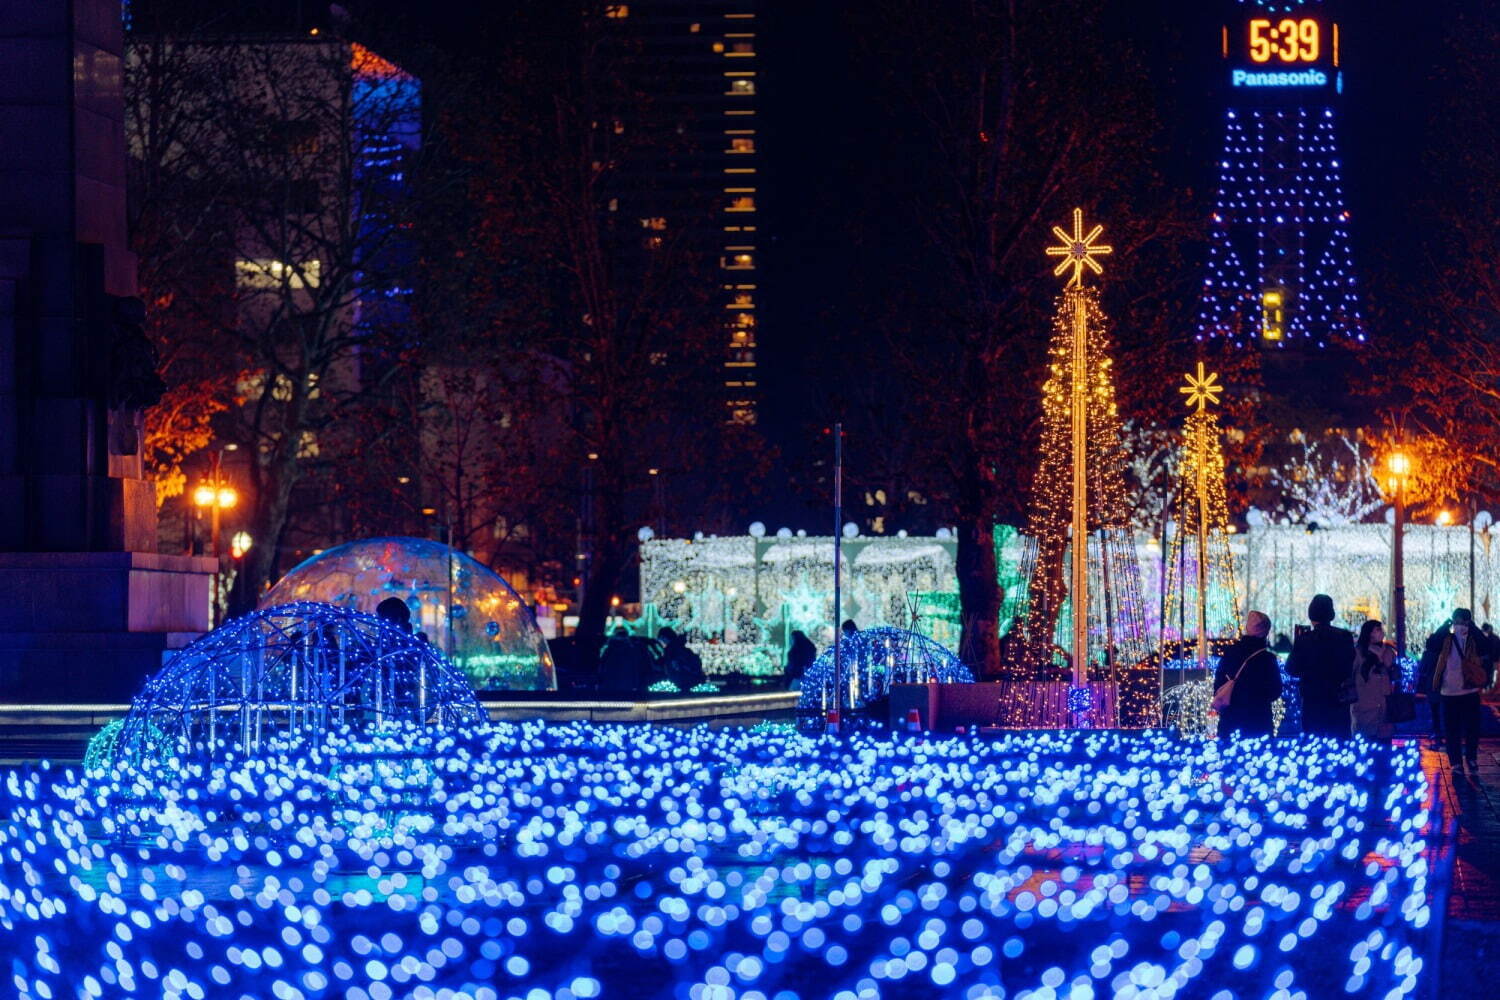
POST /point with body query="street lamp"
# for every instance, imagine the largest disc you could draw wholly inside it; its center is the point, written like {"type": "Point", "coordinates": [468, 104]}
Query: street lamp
{"type": "Point", "coordinates": [215, 495]}
{"type": "Point", "coordinates": [1398, 474]}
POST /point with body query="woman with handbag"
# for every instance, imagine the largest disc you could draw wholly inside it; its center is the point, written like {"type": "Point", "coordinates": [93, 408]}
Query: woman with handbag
{"type": "Point", "coordinates": [1247, 683]}
{"type": "Point", "coordinates": [1375, 679]}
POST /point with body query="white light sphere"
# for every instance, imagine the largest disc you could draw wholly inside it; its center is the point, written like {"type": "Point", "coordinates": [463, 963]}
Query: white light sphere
{"type": "Point", "coordinates": [1483, 520]}
{"type": "Point", "coordinates": [1390, 515]}
{"type": "Point", "coordinates": [757, 529]}
{"type": "Point", "coordinates": [943, 534]}
{"type": "Point", "coordinates": [851, 530]}
{"type": "Point", "coordinates": [1255, 517]}
{"type": "Point", "coordinates": [645, 534]}
{"type": "Point", "coordinates": [697, 536]}
{"type": "Point", "coordinates": [801, 532]}
{"type": "Point", "coordinates": [783, 532]}
{"type": "Point", "coordinates": [901, 533]}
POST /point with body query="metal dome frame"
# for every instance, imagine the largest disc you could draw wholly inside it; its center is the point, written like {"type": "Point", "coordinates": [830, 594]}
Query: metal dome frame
{"type": "Point", "coordinates": [302, 669]}
{"type": "Point", "coordinates": [873, 660]}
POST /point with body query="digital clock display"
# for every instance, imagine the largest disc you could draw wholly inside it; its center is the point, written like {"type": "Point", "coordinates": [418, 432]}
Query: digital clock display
{"type": "Point", "coordinates": [1285, 49]}
{"type": "Point", "coordinates": [1288, 41]}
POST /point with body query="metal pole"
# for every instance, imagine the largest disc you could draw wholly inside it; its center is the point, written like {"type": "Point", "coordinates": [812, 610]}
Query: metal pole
{"type": "Point", "coordinates": [1472, 518]}
{"type": "Point", "coordinates": [1080, 492]}
{"type": "Point", "coordinates": [838, 558]}
{"type": "Point", "coordinates": [1200, 447]}
{"type": "Point", "coordinates": [1398, 570]}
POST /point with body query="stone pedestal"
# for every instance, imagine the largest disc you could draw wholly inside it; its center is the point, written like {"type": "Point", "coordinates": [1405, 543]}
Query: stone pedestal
{"type": "Point", "coordinates": [90, 626]}
{"type": "Point", "coordinates": [87, 607]}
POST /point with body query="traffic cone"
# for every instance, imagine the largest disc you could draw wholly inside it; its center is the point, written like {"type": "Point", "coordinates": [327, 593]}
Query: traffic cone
{"type": "Point", "coordinates": [833, 721]}
{"type": "Point", "coordinates": [913, 720]}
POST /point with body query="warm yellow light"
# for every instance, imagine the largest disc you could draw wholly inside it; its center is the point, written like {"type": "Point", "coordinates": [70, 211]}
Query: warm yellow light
{"type": "Point", "coordinates": [614, 602]}
{"type": "Point", "coordinates": [678, 587]}
{"type": "Point", "coordinates": [1399, 463]}
{"type": "Point", "coordinates": [227, 497]}
{"type": "Point", "coordinates": [1201, 390]}
{"type": "Point", "coordinates": [240, 544]}
{"type": "Point", "coordinates": [204, 495]}
{"type": "Point", "coordinates": [1078, 250]}
{"type": "Point", "coordinates": [1444, 518]}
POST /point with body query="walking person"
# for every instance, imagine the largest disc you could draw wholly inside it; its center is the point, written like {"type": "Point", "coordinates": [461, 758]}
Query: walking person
{"type": "Point", "coordinates": [1251, 667]}
{"type": "Point", "coordinates": [1375, 678]}
{"type": "Point", "coordinates": [1320, 660]}
{"type": "Point", "coordinates": [1458, 676]}
{"type": "Point", "coordinates": [799, 656]}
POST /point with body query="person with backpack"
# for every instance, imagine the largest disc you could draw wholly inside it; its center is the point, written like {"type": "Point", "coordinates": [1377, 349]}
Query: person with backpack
{"type": "Point", "coordinates": [1376, 677]}
{"type": "Point", "coordinates": [1247, 683]}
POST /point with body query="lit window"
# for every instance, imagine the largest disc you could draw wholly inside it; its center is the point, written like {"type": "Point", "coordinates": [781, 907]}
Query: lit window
{"type": "Point", "coordinates": [655, 222]}
{"type": "Point", "coordinates": [744, 203]}
{"type": "Point", "coordinates": [652, 243]}
{"type": "Point", "coordinates": [744, 300]}
{"type": "Point", "coordinates": [742, 86]}
{"type": "Point", "coordinates": [743, 48]}
{"type": "Point", "coordinates": [695, 27]}
{"type": "Point", "coordinates": [1272, 314]}
{"type": "Point", "coordinates": [740, 262]}
{"type": "Point", "coordinates": [742, 146]}
{"type": "Point", "coordinates": [617, 11]}
{"type": "Point", "coordinates": [718, 46]}
{"type": "Point", "coordinates": [261, 272]}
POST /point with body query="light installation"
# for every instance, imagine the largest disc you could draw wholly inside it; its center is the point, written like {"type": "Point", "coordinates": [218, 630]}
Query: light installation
{"type": "Point", "coordinates": [579, 861]}
{"type": "Point", "coordinates": [1079, 491]}
{"type": "Point", "coordinates": [873, 660]}
{"type": "Point", "coordinates": [1280, 271]}
{"type": "Point", "coordinates": [1200, 565]}
{"type": "Point", "coordinates": [302, 670]}
{"type": "Point", "coordinates": [466, 609]}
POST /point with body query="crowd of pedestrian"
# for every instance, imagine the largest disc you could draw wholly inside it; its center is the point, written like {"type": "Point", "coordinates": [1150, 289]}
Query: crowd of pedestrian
{"type": "Point", "coordinates": [1351, 685]}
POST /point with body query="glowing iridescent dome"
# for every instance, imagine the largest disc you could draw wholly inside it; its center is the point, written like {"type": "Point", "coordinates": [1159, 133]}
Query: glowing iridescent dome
{"type": "Point", "coordinates": [466, 610]}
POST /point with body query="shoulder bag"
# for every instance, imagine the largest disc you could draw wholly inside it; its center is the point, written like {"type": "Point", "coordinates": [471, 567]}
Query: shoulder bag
{"type": "Point", "coordinates": [1225, 692]}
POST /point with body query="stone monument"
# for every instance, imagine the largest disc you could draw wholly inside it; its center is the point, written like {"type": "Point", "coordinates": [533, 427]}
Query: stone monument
{"type": "Point", "coordinates": [87, 605]}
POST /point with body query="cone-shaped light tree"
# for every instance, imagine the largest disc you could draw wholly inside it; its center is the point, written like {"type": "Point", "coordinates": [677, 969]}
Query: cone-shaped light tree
{"type": "Point", "coordinates": [1084, 588]}
{"type": "Point", "coordinates": [1201, 595]}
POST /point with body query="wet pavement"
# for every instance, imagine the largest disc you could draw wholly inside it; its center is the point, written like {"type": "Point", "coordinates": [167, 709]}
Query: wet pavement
{"type": "Point", "coordinates": [1469, 851]}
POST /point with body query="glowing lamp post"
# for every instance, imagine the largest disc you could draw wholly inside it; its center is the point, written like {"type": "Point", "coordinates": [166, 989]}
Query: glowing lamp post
{"type": "Point", "coordinates": [1398, 473]}
{"type": "Point", "coordinates": [215, 497]}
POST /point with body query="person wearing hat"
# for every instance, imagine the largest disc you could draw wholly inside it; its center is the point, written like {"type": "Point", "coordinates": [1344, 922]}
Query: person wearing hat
{"type": "Point", "coordinates": [1321, 659]}
{"type": "Point", "coordinates": [1257, 682]}
{"type": "Point", "coordinates": [1454, 671]}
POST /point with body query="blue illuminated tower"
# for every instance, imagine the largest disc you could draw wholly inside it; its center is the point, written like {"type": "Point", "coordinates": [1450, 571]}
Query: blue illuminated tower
{"type": "Point", "coordinates": [1280, 272]}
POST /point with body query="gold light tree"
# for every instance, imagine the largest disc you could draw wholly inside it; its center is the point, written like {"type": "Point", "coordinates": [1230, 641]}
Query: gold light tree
{"type": "Point", "coordinates": [1200, 569]}
{"type": "Point", "coordinates": [1081, 566]}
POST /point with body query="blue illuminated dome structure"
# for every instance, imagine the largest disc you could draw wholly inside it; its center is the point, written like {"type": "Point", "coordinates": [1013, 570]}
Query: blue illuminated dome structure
{"type": "Point", "coordinates": [303, 670]}
{"type": "Point", "coordinates": [1280, 272]}
{"type": "Point", "coordinates": [465, 609]}
{"type": "Point", "coordinates": [873, 660]}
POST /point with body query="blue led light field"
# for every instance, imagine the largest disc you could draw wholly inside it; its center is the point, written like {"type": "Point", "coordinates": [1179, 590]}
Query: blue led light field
{"type": "Point", "coordinates": [583, 861]}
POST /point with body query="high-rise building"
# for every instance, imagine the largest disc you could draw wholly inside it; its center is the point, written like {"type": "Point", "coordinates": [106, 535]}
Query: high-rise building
{"type": "Point", "coordinates": [695, 64]}
{"type": "Point", "coordinates": [1280, 271]}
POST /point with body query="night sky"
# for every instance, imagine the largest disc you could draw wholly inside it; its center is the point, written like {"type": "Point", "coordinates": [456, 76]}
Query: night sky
{"type": "Point", "coordinates": [816, 117]}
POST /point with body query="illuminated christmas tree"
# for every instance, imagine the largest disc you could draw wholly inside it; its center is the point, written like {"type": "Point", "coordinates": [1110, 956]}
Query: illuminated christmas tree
{"type": "Point", "coordinates": [1201, 596]}
{"type": "Point", "coordinates": [1083, 600]}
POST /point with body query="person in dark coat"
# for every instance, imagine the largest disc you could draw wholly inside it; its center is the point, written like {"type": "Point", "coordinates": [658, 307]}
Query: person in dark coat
{"type": "Point", "coordinates": [1257, 682]}
{"type": "Point", "coordinates": [682, 666]}
{"type": "Point", "coordinates": [1322, 659]}
{"type": "Point", "coordinates": [624, 665]}
{"type": "Point", "coordinates": [799, 656]}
